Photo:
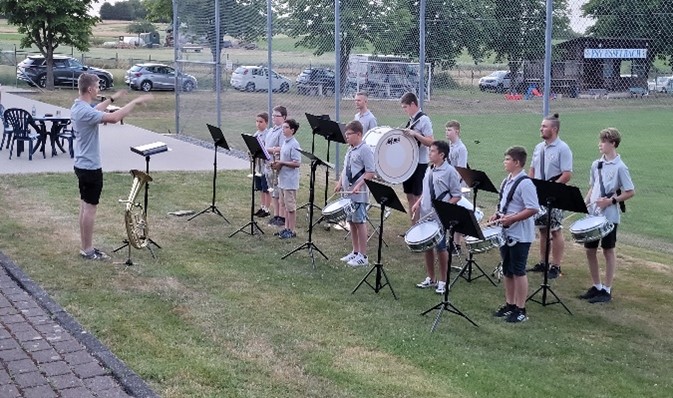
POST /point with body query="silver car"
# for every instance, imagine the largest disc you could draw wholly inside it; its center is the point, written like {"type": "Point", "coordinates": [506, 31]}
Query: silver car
{"type": "Point", "coordinates": [151, 76]}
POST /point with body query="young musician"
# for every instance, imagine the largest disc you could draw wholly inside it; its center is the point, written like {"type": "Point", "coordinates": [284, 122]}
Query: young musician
{"type": "Point", "coordinates": [262, 123]}
{"type": "Point", "coordinates": [552, 161]}
{"type": "Point", "coordinates": [364, 115]}
{"type": "Point", "coordinates": [288, 176]}
{"type": "Point", "coordinates": [517, 205]}
{"type": "Point", "coordinates": [359, 166]}
{"type": "Point", "coordinates": [610, 185]}
{"type": "Point", "coordinates": [457, 158]}
{"type": "Point", "coordinates": [274, 140]}
{"type": "Point", "coordinates": [88, 167]}
{"type": "Point", "coordinates": [441, 182]}
{"type": "Point", "coordinates": [419, 127]}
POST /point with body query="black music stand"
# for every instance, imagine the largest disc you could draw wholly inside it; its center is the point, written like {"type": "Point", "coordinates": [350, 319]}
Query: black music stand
{"type": "Point", "coordinates": [332, 131]}
{"type": "Point", "coordinates": [314, 122]}
{"type": "Point", "coordinates": [218, 141]}
{"type": "Point", "coordinates": [555, 196]}
{"type": "Point", "coordinates": [476, 180]}
{"type": "Point", "coordinates": [147, 151]}
{"type": "Point", "coordinates": [454, 218]}
{"type": "Point", "coordinates": [315, 162]}
{"type": "Point", "coordinates": [385, 196]}
{"type": "Point", "coordinates": [256, 152]}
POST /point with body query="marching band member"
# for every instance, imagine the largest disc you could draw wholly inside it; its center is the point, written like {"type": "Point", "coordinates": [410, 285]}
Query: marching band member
{"type": "Point", "coordinates": [457, 158]}
{"type": "Point", "coordinates": [261, 185]}
{"type": "Point", "coordinates": [359, 166]}
{"type": "Point", "coordinates": [364, 115]}
{"type": "Point", "coordinates": [441, 182]}
{"type": "Point", "coordinates": [273, 143]}
{"type": "Point", "coordinates": [516, 207]}
{"type": "Point", "coordinates": [288, 176]}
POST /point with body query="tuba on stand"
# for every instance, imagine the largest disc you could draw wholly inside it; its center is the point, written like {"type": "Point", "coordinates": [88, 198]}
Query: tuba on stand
{"type": "Point", "coordinates": [135, 216]}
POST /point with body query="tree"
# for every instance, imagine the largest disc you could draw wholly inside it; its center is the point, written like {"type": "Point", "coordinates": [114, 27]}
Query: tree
{"type": "Point", "coordinates": [159, 10]}
{"type": "Point", "coordinates": [48, 24]}
{"type": "Point", "coordinates": [643, 19]}
{"type": "Point", "coordinates": [123, 10]}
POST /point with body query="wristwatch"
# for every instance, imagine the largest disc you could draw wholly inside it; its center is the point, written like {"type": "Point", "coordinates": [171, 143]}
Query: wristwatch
{"type": "Point", "coordinates": [614, 200]}
{"type": "Point", "coordinates": [112, 100]}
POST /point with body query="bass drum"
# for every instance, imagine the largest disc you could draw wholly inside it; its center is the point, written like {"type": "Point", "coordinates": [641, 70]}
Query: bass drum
{"type": "Point", "coordinates": [395, 154]}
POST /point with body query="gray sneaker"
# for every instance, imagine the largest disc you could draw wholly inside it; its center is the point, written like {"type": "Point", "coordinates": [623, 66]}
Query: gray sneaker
{"type": "Point", "coordinates": [96, 254]}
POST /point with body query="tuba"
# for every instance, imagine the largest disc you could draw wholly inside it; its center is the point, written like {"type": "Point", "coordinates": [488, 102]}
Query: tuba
{"type": "Point", "coordinates": [134, 216]}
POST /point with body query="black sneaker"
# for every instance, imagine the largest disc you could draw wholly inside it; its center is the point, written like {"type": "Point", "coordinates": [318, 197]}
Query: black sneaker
{"type": "Point", "coordinates": [259, 213]}
{"type": "Point", "coordinates": [504, 311]}
{"type": "Point", "coordinates": [591, 293]}
{"type": "Point", "coordinates": [539, 267]}
{"type": "Point", "coordinates": [96, 255]}
{"type": "Point", "coordinates": [602, 297]}
{"type": "Point", "coordinates": [517, 315]}
{"type": "Point", "coordinates": [554, 272]}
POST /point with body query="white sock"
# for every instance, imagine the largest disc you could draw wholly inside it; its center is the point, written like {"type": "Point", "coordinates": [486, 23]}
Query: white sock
{"type": "Point", "coordinates": [598, 286]}
{"type": "Point", "coordinates": [606, 288]}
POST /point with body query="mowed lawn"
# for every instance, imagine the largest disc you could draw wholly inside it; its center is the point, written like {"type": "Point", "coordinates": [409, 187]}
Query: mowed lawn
{"type": "Point", "coordinates": [214, 316]}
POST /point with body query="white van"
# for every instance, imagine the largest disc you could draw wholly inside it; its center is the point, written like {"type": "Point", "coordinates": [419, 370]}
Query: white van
{"type": "Point", "coordinates": [256, 78]}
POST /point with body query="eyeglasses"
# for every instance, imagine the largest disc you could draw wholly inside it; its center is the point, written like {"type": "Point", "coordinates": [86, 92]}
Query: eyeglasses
{"type": "Point", "coordinates": [277, 115]}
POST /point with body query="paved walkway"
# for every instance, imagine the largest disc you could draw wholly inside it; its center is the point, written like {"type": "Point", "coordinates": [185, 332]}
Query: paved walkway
{"type": "Point", "coordinates": [44, 352]}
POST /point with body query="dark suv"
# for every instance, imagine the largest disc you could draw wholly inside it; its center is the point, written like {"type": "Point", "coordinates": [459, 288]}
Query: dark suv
{"type": "Point", "coordinates": [33, 70]}
{"type": "Point", "coordinates": [313, 80]}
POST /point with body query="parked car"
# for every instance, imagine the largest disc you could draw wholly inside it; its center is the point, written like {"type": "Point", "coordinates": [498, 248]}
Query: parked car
{"type": "Point", "coordinates": [256, 78]}
{"type": "Point", "coordinates": [311, 80]}
{"type": "Point", "coordinates": [659, 84]}
{"type": "Point", "coordinates": [500, 81]}
{"type": "Point", "coordinates": [33, 70]}
{"type": "Point", "coordinates": [152, 76]}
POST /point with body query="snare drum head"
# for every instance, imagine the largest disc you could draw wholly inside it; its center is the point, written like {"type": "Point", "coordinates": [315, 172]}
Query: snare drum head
{"type": "Point", "coordinates": [395, 154]}
{"type": "Point", "coordinates": [421, 232]}
{"type": "Point", "coordinates": [588, 223]}
{"type": "Point", "coordinates": [464, 202]}
{"type": "Point", "coordinates": [491, 231]}
{"type": "Point", "coordinates": [335, 206]}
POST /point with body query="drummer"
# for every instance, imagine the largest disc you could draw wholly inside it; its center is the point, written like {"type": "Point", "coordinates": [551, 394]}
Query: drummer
{"type": "Point", "coordinates": [418, 127]}
{"type": "Point", "coordinates": [359, 166]}
{"type": "Point", "coordinates": [364, 115]}
{"type": "Point", "coordinates": [441, 182]}
{"type": "Point", "coordinates": [457, 158]}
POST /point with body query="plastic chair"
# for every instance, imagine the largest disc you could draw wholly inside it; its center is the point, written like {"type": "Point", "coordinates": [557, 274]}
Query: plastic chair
{"type": "Point", "coordinates": [21, 122]}
{"type": "Point", "coordinates": [68, 134]}
{"type": "Point", "coordinates": [7, 129]}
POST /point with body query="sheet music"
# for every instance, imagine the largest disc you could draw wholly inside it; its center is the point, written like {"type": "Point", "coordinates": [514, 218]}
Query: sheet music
{"type": "Point", "coordinates": [261, 145]}
{"type": "Point", "coordinates": [151, 148]}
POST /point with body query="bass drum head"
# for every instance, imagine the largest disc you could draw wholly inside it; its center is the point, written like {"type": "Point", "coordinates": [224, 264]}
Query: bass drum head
{"type": "Point", "coordinates": [396, 155]}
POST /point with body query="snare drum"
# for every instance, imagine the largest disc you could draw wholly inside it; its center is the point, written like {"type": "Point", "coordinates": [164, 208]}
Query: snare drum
{"type": "Point", "coordinates": [590, 229]}
{"type": "Point", "coordinates": [395, 154]}
{"type": "Point", "coordinates": [337, 211]}
{"type": "Point", "coordinates": [493, 237]}
{"type": "Point", "coordinates": [541, 218]}
{"type": "Point", "coordinates": [464, 202]}
{"type": "Point", "coordinates": [424, 236]}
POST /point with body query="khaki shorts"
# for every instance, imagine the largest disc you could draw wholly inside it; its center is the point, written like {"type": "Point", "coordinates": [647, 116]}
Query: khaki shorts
{"type": "Point", "coordinates": [289, 198]}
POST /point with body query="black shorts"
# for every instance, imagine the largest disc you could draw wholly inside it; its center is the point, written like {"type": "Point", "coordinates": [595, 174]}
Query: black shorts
{"type": "Point", "coordinates": [514, 259]}
{"type": "Point", "coordinates": [609, 241]}
{"type": "Point", "coordinates": [90, 184]}
{"type": "Point", "coordinates": [414, 184]}
{"type": "Point", "coordinates": [260, 183]}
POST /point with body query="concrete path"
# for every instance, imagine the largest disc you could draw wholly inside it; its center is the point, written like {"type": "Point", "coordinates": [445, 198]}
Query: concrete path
{"type": "Point", "coordinates": [44, 352]}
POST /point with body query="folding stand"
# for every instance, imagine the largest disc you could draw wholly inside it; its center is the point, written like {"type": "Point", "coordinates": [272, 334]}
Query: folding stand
{"type": "Point", "coordinates": [559, 196]}
{"type": "Point", "coordinates": [315, 162]}
{"type": "Point", "coordinates": [219, 141]}
{"type": "Point", "coordinates": [385, 196]}
{"type": "Point", "coordinates": [454, 218]}
{"type": "Point", "coordinates": [147, 151]}
{"type": "Point", "coordinates": [257, 152]}
{"type": "Point", "coordinates": [476, 180]}
{"type": "Point", "coordinates": [314, 122]}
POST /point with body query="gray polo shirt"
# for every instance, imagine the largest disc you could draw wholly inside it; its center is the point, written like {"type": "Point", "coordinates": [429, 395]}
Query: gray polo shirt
{"type": "Point", "coordinates": [525, 197]}
{"type": "Point", "coordinates": [458, 154]}
{"type": "Point", "coordinates": [368, 120]}
{"type": "Point", "coordinates": [273, 139]}
{"type": "Point", "coordinates": [358, 158]}
{"type": "Point", "coordinates": [423, 126]}
{"type": "Point", "coordinates": [444, 178]}
{"type": "Point", "coordinates": [558, 158]}
{"type": "Point", "coordinates": [615, 176]}
{"type": "Point", "coordinates": [85, 123]}
{"type": "Point", "coordinates": [288, 177]}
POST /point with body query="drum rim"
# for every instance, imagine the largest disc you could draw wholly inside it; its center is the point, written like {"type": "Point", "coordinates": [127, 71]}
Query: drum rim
{"type": "Point", "coordinates": [415, 154]}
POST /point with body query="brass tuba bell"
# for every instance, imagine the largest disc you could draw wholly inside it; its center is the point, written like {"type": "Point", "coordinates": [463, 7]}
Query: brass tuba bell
{"type": "Point", "coordinates": [137, 229]}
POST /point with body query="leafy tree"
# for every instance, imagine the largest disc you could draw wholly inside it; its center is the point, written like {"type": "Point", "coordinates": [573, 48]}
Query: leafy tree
{"type": "Point", "coordinates": [47, 24]}
{"type": "Point", "coordinates": [141, 27]}
{"type": "Point", "coordinates": [159, 10]}
{"type": "Point", "coordinates": [123, 10]}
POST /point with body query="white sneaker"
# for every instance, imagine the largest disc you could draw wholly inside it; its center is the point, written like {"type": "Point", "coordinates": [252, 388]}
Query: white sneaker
{"type": "Point", "coordinates": [441, 287]}
{"type": "Point", "coordinates": [358, 261]}
{"type": "Point", "coordinates": [348, 257]}
{"type": "Point", "coordinates": [426, 283]}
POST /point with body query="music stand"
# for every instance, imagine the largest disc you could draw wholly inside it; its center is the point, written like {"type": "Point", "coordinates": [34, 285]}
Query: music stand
{"type": "Point", "coordinates": [314, 122]}
{"type": "Point", "coordinates": [454, 218]}
{"type": "Point", "coordinates": [257, 152]}
{"type": "Point", "coordinates": [475, 179]}
{"type": "Point", "coordinates": [555, 196]}
{"type": "Point", "coordinates": [218, 141]}
{"type": "Point", "coordinates": [147, 151]}
{"type": "Point", "coordinates": [315, 162]}
{"type": "Point", "coordinates": [331, 131]}
{"type": "Point", "coordinates": [385, 196]}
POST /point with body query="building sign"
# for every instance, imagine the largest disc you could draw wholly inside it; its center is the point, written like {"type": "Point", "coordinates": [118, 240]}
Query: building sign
{"type": "Point", "coordinates": [623, 53]}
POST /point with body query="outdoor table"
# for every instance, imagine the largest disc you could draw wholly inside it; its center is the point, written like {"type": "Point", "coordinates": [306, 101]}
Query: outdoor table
{"type": "Point", "coordinates": [58, 123]}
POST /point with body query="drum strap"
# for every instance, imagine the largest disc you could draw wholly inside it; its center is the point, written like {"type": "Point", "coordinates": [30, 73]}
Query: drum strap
{"type": "Point", "coordinates": [622, 205]}
{"type": "Point", "coordinates": [542, 171]}
{"type": "Point", "coordinates": [413, 120]}
{"type": "Point", "coordinates": [510, 194]}
{"type": "Point", "coordinates": [349, 176]}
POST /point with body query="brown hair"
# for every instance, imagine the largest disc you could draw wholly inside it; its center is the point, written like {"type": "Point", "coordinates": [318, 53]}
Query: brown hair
{"type": "Point", "coordinates": [281, 109]}
{"type": "Point", "coordinates": [612, 135]}
{"type": "Point", "coordinates": [355, 126]}
{"type": "Point", "coordinates": [555, 122]}
{"type": "Point", "coordinates": [517, 153]}
{"type": "Point", "coordinates": [454, 124]}
{"type": "Point", "coordinates": [86, 81]}
{"type": "Point", "coordinates": [362, 93]}
{"type": "Point", "coordinates": [264, 116]}
{"type": "Point", "coordinates": [294, 126]}
{"type": "Point", "coordinates": [409, 98]}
